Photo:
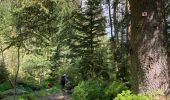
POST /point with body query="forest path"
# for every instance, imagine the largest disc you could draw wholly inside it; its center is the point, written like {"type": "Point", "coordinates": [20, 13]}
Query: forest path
{"type": "Point", "coordinates": [58, 96]}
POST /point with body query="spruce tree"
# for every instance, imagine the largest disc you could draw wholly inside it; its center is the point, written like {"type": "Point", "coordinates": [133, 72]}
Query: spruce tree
{"type": "Point", "coordinates": [90, 25]}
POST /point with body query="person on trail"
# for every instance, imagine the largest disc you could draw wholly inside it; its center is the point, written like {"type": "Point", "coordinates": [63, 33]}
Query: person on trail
{"type": "Point", "coordinates": [63, 81]}
{"type": "Point", "coordinates": [50, 85]}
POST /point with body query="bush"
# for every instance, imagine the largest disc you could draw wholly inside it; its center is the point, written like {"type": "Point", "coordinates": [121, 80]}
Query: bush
{"type": "Point", "coordinates": [98, 90]}
{"type": "Point", "coordinates": [32, 95]}
{"type": "Point", "coordinates": [35, 94]}
{"type": "Point", "coordinates": [79, 92]}
{"type": "Point", "coordinates": [115, 88]}
{"type": "Point", "coordinates": [127, 95]}
{"type": "Point", "coordinates": [5, 86]}
{"type": "Point", "coordinates": [90, 90]}
{"type": "Point", "coordinates": [28, 86]}
{"type": "Point", "coordinates": [3, 73]}
{"type": "Point", "coordinates": [95, 89]}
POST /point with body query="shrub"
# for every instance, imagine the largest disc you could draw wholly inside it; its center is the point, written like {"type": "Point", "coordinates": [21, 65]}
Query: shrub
{"type": "Point", "coordinates": [90, 90]}
{"type": "Point", "coordinates": [3, 73]}
{"type": "Point", "coordinates": [35, 94]}
{"type": "Point", "coordinates": [5, 86]}
{"type": "Point", "coordinates": [127, 95]}
{"type": "Point", "coordinates": [79, 92]}
{"type": "Point", "coordinates": [95, 89]}
{"type": "Point", "coordinates": [98, 90]}
{"type": "Point", "coordinates": [115, 88]}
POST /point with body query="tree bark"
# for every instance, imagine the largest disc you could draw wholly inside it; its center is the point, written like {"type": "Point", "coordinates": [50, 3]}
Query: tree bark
{"type": "Point", "coordinates": [148, 51]}
{"type": "Point", "coordinates": [16, 76]}
{"type": "Point", "coordinates": [115, 11]}
{"type": "Point", "coordinates": [110, 18]}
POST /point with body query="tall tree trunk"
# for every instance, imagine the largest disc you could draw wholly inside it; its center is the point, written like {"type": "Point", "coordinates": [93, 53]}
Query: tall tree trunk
{"type": "Point", "coordinates": [148, 46]}
{"type": "Point", "coordinates": [111, 28]}
{"type": "Point", "coordinates": [16, 76]}
{"type": "Point", "coordinates": [115, 10]}
{"type": "Point", "coordinates": [115, 4]}
{"type": "Point", "coordinates": [110, 18]}
{"type": "Point", "coordinates": [134, 83]}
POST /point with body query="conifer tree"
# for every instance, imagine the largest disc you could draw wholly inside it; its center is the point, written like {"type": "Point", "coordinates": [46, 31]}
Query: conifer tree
{"type": "Point", "coordinates": [91, 30]}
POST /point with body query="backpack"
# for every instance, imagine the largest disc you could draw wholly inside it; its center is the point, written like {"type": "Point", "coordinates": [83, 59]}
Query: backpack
{"type": "Point", "coordinates": [63, 80]}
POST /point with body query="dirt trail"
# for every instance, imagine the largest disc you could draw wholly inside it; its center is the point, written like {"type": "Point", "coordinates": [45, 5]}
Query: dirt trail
{"type": "Point", "coordinates": [57, 96]}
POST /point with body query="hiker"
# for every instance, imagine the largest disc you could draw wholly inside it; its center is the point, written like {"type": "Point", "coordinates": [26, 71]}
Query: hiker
{"type": "Point", "coordinates": [63, 81]}
{"type": "Point", "coordinates": [50, 85]}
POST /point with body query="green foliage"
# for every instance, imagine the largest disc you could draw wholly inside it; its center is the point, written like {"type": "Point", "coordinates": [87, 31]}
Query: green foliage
{"type": "Point", "coordinates": [6, 21]}
{"type": "Point", "coordinates": [74, 74]}
{"type": "Point", "coordinates": [29, 91]}
{"type": "Point", "coordinates": [115, 88]}
{"type": "Point", "coordinates": [98, 90]}
{"type": "Point", "coordinates": [3, 73]}
{"type": "Point", "coordinates": [35, 94]}
{"type": "Point", "coordinates": [35, 68]}
{"type": "Point", "coordinates": [60, 62]}
{"type": "Point", "coordinates": [32, 96]}
{"type": "Point", "coordinates": [29, 85]}
{"type": "Point", "coordinates": [121, 58]}
{"type": "Point", "coordinates": [88, 39]}
{"type": "Point", "coordinates": [127, 95]}
{"type": "Point", "coordinates": [90, 90]}
{"type": "Point", "coordinates": [80, 92]}
{"type": "Point", "coordinates": [33, 85]}
{"type": "Point", "coordinates": [60, 59]}
{"type": "Point", "coordinates": [33, 24]}
{"type": "Point", "coordinates": [94, 89]}
{"type": "Point", "coordinates": [5, 86]}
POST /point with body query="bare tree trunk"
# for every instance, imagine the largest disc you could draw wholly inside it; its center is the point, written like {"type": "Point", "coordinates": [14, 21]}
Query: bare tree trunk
{"type": "Point", "coordinates": [131, 57]}
{"type": "Point", "coordinates": [111, 28]}
{"type": "Point", "coordinates": [148, 46]}
{"type": "Point", "coordinates": [110, 18]}
{"type": "Point", "coordinates": [115, 6]}
{"type": "Point", "coordinates": [16, 76]}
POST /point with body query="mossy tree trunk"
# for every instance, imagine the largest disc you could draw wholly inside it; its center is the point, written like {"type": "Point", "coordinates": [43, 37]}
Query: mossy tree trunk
{"type": "Point", "coordinates": [148, 46]}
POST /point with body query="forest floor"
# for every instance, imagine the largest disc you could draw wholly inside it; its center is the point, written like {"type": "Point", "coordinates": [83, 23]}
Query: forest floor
{"type": "Point", "coordinates": [58, 96]}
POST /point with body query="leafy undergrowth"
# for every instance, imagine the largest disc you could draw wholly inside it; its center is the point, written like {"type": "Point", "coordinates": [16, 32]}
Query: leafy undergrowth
{"type": "Point", "coordinates": [4, 87]}
{"type": "Point", "coordinates": [127, 95]}
{"type": "Point", "coordinates": [97, 90]}
{"type": "Point", "coordinates": [27, 91]}
{"type": "Point", "coordinates": [36, 94]}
